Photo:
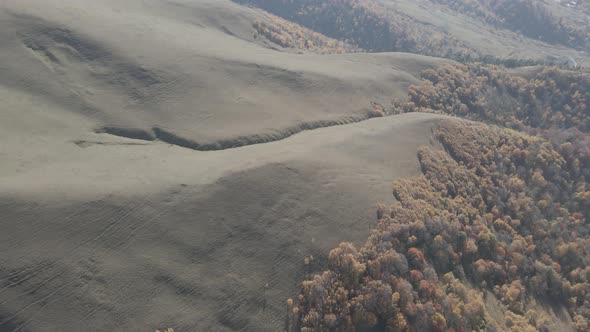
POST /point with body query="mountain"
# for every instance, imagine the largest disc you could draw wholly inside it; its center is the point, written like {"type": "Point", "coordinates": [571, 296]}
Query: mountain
{"type": "Point", "coordinates": [301, 165]}
{"type": "Point", "coordinates": [508, 32]}
{"type": "Point", "coordinates": [134, 192]}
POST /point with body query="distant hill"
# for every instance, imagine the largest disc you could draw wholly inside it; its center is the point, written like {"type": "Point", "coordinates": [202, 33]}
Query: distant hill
{"type": "Point", "coordinates": [494, 234]}
{"type": "Point", "coordinates": [493, 31]}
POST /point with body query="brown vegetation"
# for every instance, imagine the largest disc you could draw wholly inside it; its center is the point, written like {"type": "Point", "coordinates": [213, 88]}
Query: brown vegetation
{"type": "Point", "coordinates": [553, 103]}
{"type": "Point", "coordinates": [368, 25]}
{"type": "Point", "coordinates": [551, 99]}
{"type": "Point", "coordinates": [291, 35]}
{"type": "Point", "coordinates": [497, 212]}
{"type": "Point", "coordinates": [374, 26]}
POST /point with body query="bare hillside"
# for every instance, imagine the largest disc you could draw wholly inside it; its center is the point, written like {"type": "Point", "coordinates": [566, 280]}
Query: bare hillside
{"type": "Point", "coordinates": [113, 215]}
{"type": "Point", "coordinates": [186, 72]}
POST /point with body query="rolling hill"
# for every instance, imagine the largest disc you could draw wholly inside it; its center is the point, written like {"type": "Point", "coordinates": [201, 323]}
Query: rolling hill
{"type": "Point", "coordinates": [509, 32]}
{"type": "Point", "coordinates": [217, 165]}
{"type": "Point", "coordinates": [134, 193]}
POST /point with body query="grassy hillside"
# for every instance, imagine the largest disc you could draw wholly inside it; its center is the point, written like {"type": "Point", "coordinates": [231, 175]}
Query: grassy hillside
{"type": "Point", "coordinates": [135, 191]}
{"type": "Point", "coordinates": [500, 214]}
{"type": "Point", "coordinates": [513, 32]}
{"type": "Point", "coordinates": [544, 98]}
{"type": "Point", "coordinates": [367, 24]}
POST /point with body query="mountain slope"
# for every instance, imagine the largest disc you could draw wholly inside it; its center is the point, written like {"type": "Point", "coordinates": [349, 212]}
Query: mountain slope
{"type": "Point", "coordinates": [511, 32]}
{"type": "Point", "coordinates": [186, 72]}
{"type": "Point", "coordinates": [134, 237]}
{"type": "Point", "coordinates": [110, 223]}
